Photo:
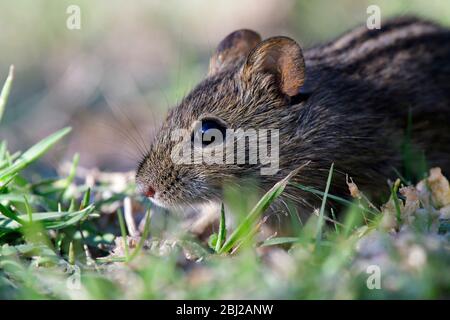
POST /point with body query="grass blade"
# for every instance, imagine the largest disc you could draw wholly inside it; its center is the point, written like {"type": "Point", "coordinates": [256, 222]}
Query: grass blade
{"type": "Point", "coordinates": [289, 240]}
{"type": "Point", "coordinates": [280, 240]}
{"type": "Point", "coordinates": [396, 200]}
{"type": "Point", "coordinates": [86, 198]}
{"type": "Point", "coordinates": [320, 222]}
{"type": "Point", "coordinates": [123, 232]}
{"type": "Point", "coordinates": [258, 209]}
{"type": "Point", "coordinates": [221, 236]}
{"type": "Point", "coordinates": [9, 214]}
{"type": "Point", "coordinates": [33, 153]}
{"type": "Point", "coordinates": [28, 209]}
{"type": "Point", "coordinates": [144, 236]}
{"type": "Point", "coordinates": [50, 220]}
{"type": "Point", "coordinates": [4, 95]}
{"type": "Point", "coordinates": [71, 253]}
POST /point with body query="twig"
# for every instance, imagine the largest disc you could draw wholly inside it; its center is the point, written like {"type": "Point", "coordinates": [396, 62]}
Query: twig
{"type": "Point", "coordinates": [129, 220]}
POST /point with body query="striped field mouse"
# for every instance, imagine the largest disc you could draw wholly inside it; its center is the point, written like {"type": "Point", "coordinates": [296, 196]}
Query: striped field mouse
{"type": "Point", "coordinates": [346, 102]}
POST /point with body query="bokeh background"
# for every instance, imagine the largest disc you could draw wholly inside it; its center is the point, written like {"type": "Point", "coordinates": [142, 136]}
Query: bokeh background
{"type": "Point", "coordinates": [113, 80]}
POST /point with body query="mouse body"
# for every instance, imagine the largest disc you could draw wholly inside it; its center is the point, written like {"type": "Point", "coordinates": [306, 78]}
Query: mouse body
{"type": "Point", "coordinates": [351, 102]}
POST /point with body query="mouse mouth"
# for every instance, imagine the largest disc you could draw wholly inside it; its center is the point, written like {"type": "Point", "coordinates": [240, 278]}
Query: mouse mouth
{"type": "Point", "coordinates": [156, 201]}
{"type": "Point", "coordinates": [151, 194]}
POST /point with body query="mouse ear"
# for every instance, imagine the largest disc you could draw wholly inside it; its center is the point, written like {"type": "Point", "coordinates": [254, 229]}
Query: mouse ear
{"type": "Point", "coordinates": [279, 58]}
{"type": "Point", "coordinates": [233, 48]}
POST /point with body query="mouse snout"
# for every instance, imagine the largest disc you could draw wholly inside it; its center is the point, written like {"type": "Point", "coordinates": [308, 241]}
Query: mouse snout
{"type": "Point", "coordinates": [149, 192]}
{"type": "Point", "coordinates": [146, 189]}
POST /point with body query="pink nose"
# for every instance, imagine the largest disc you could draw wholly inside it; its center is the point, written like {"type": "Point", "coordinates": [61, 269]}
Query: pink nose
{"type": "Point", "coordinates": [150, 192]}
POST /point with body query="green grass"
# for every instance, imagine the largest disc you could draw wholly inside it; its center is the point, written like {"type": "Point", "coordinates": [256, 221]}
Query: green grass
{"type": "Point", "coordinates": [4, 95]}
{"type": "Point", "coordinates": [54, 246]}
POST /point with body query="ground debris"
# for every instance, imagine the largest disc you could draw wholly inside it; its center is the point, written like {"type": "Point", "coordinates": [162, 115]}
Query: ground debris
{"type": "Point", "coordinates": [425, 206]}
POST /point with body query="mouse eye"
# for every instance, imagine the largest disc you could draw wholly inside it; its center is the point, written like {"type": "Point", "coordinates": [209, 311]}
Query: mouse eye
{"type": "Point", "coordinates": [207, 130]}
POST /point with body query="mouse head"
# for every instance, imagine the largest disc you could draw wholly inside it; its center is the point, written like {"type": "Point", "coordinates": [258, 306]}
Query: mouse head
{"type": "Point", "coordinates": [253, 86]}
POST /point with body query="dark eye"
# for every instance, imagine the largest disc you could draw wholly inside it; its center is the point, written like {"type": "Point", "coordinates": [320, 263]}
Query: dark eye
{"type": "Point", "coordinates": [207, 131]}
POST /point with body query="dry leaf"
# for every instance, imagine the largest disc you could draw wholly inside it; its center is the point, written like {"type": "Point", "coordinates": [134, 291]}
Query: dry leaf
{"type": "Point", "coordinates": [389, 219]}
{"type": "Point", "coordinates": [411, 205]}
{"type": "Point", "coordinates": [440, 188]}
{"type": "Point", "coordinates": [354, 191]}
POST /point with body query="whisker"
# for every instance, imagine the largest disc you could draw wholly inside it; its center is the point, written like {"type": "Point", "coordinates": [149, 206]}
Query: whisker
{"type": "Point", "coordinates": [127, 139]}
{"type": "Point", "coordinates": [114, 108]}
{"type": "Point", "coordinates": [136, 129]}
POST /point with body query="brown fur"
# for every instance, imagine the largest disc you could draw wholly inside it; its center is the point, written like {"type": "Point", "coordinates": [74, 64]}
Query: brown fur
{"type": "Point", "coordinates": [345, 102]}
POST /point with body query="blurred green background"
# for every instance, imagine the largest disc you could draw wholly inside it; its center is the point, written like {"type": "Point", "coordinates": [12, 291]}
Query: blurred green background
{"type": "Point", "coordinates": [130, 61]}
